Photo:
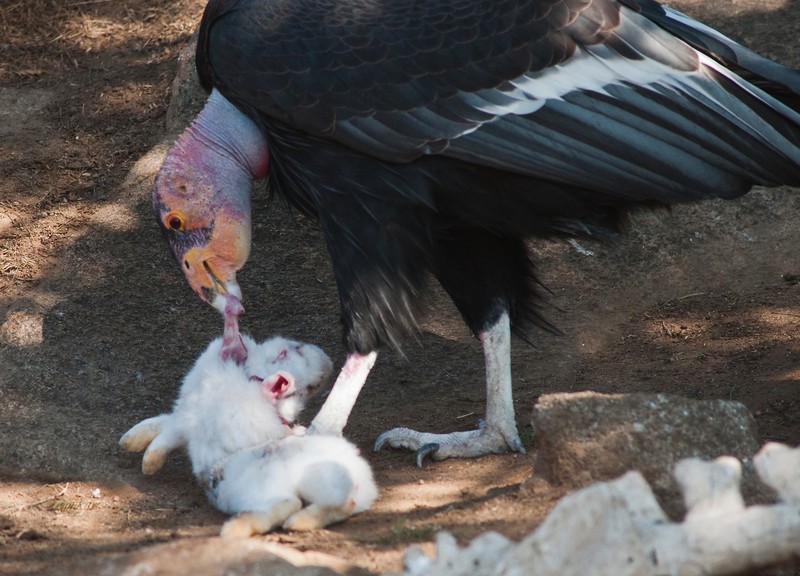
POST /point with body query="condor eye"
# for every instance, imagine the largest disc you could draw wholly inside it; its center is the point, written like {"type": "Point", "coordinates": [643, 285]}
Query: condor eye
{"type": "Point", "coordinates": [175, 222]}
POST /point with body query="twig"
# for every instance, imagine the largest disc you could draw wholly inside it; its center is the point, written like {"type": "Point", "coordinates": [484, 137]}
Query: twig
{"type": "Point", "coordinates": [692, 295]}
{"type": "Point", "coordinates": [87, 2]}
{"type": "Point", "coordinates": [22, 507]}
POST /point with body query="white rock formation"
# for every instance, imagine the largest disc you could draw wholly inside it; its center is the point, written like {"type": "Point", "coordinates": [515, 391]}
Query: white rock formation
{"type": "Point", "coordinates": [617, 528]}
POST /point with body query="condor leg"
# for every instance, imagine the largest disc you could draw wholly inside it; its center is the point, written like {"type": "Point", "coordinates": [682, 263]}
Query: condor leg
{"type": "Point", "coordinates": [499, 431]}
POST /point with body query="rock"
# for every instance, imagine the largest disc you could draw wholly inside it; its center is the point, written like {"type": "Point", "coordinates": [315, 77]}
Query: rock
{"type": "Point", "coordinates": [6, 225]}
{"type": "Point", "coordinates": [22, 328]}
{"type": "Point", "coordinates": [215, 557]}
{"type": "Point", "coordinates": [617, 528]}
{"type": "Point", "coordinates": [187, 97]}
{"type": "Point", "coordinates": [587, 437]}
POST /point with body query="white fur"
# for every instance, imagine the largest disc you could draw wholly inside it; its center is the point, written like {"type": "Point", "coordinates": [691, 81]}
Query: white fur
{"type": "Point", "coordinates": [220, 411]}
{"type": "Point", "coordinates": [306, 363]}
{"type": "Point", "coordinates": [203, 407]}
{"type": "Point", "coordinates": [299, 482]}
{"type": "Point", "coordinates": [251, 463]}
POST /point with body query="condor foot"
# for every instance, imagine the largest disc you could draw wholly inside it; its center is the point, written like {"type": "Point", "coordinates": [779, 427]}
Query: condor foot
{"type": "Point", "coordinates": [488, 439]}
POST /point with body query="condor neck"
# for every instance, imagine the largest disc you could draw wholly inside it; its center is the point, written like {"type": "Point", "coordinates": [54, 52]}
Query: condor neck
{"type": "Point", "coordinates": [221, 134]}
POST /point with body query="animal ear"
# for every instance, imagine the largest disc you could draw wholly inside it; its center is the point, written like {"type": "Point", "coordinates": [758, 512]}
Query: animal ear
{"type": "Point", "coordinates": [277, 386]}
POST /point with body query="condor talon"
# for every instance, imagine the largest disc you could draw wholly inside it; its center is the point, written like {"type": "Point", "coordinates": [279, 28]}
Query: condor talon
{"type": "Point", "coordinates": [426, 450]}
{"type": "Point", "coordinates": [380, 441]}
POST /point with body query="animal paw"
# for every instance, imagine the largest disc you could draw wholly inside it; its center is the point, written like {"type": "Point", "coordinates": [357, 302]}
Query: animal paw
{"type": "Point", "coordinates": [159, 435]}
{"type": "Point", "coordinates": [314, 517]}
{"type": "Point", "coordinates": [140, 436]}
{"type": "Point", "coordinates": [154, 459]}
{"type": "Point", "coordinates": [303, 521]}
{"type": "Point", "coordinates": [487, 439]}
{"type": "Point", "coordinates": [240, 526]}
{"type": "Point", "coordinates": [275, 512]}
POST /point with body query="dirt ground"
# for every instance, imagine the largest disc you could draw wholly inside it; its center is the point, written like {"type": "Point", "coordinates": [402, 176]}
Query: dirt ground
{"type": "Point", "coordinates": [97, 325]}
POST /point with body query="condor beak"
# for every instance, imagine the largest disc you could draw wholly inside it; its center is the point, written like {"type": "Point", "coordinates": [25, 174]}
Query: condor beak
{"type": "Point", "coordinates": [212, 280]}
{"type": "Point", "coordinates": [216, 284]}
{"type": "Point", "coordinates": [210, 262]}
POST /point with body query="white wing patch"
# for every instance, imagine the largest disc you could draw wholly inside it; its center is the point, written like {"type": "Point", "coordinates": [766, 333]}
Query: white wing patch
{"type": "Point", "coordinates": [640, 91]}
{"type": "Point", "coordinates": [593, 69]}
{"type": "Point", "coordinates": [590, 69]}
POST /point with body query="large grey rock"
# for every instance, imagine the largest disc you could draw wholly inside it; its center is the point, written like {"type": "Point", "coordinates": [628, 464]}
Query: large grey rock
{"type": "Point", "coordinates": [588, 437]}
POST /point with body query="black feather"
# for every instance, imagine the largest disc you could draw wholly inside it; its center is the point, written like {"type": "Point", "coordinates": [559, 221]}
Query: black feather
{"type": "Point", "coordinates": [433, 137]}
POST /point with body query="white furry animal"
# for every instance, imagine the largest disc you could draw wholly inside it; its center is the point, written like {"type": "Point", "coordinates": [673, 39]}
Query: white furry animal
{"type": "Point", "coordinates": [235, 419]}
{"type": "Point", "coordinates": [214, 392]}
{"type": "Point", "coordinates": [300, 483]}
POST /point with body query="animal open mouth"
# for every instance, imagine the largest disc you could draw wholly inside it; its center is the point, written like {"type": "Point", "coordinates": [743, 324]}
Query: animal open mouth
{"type": "Point", "coordinates": [279, 386]}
